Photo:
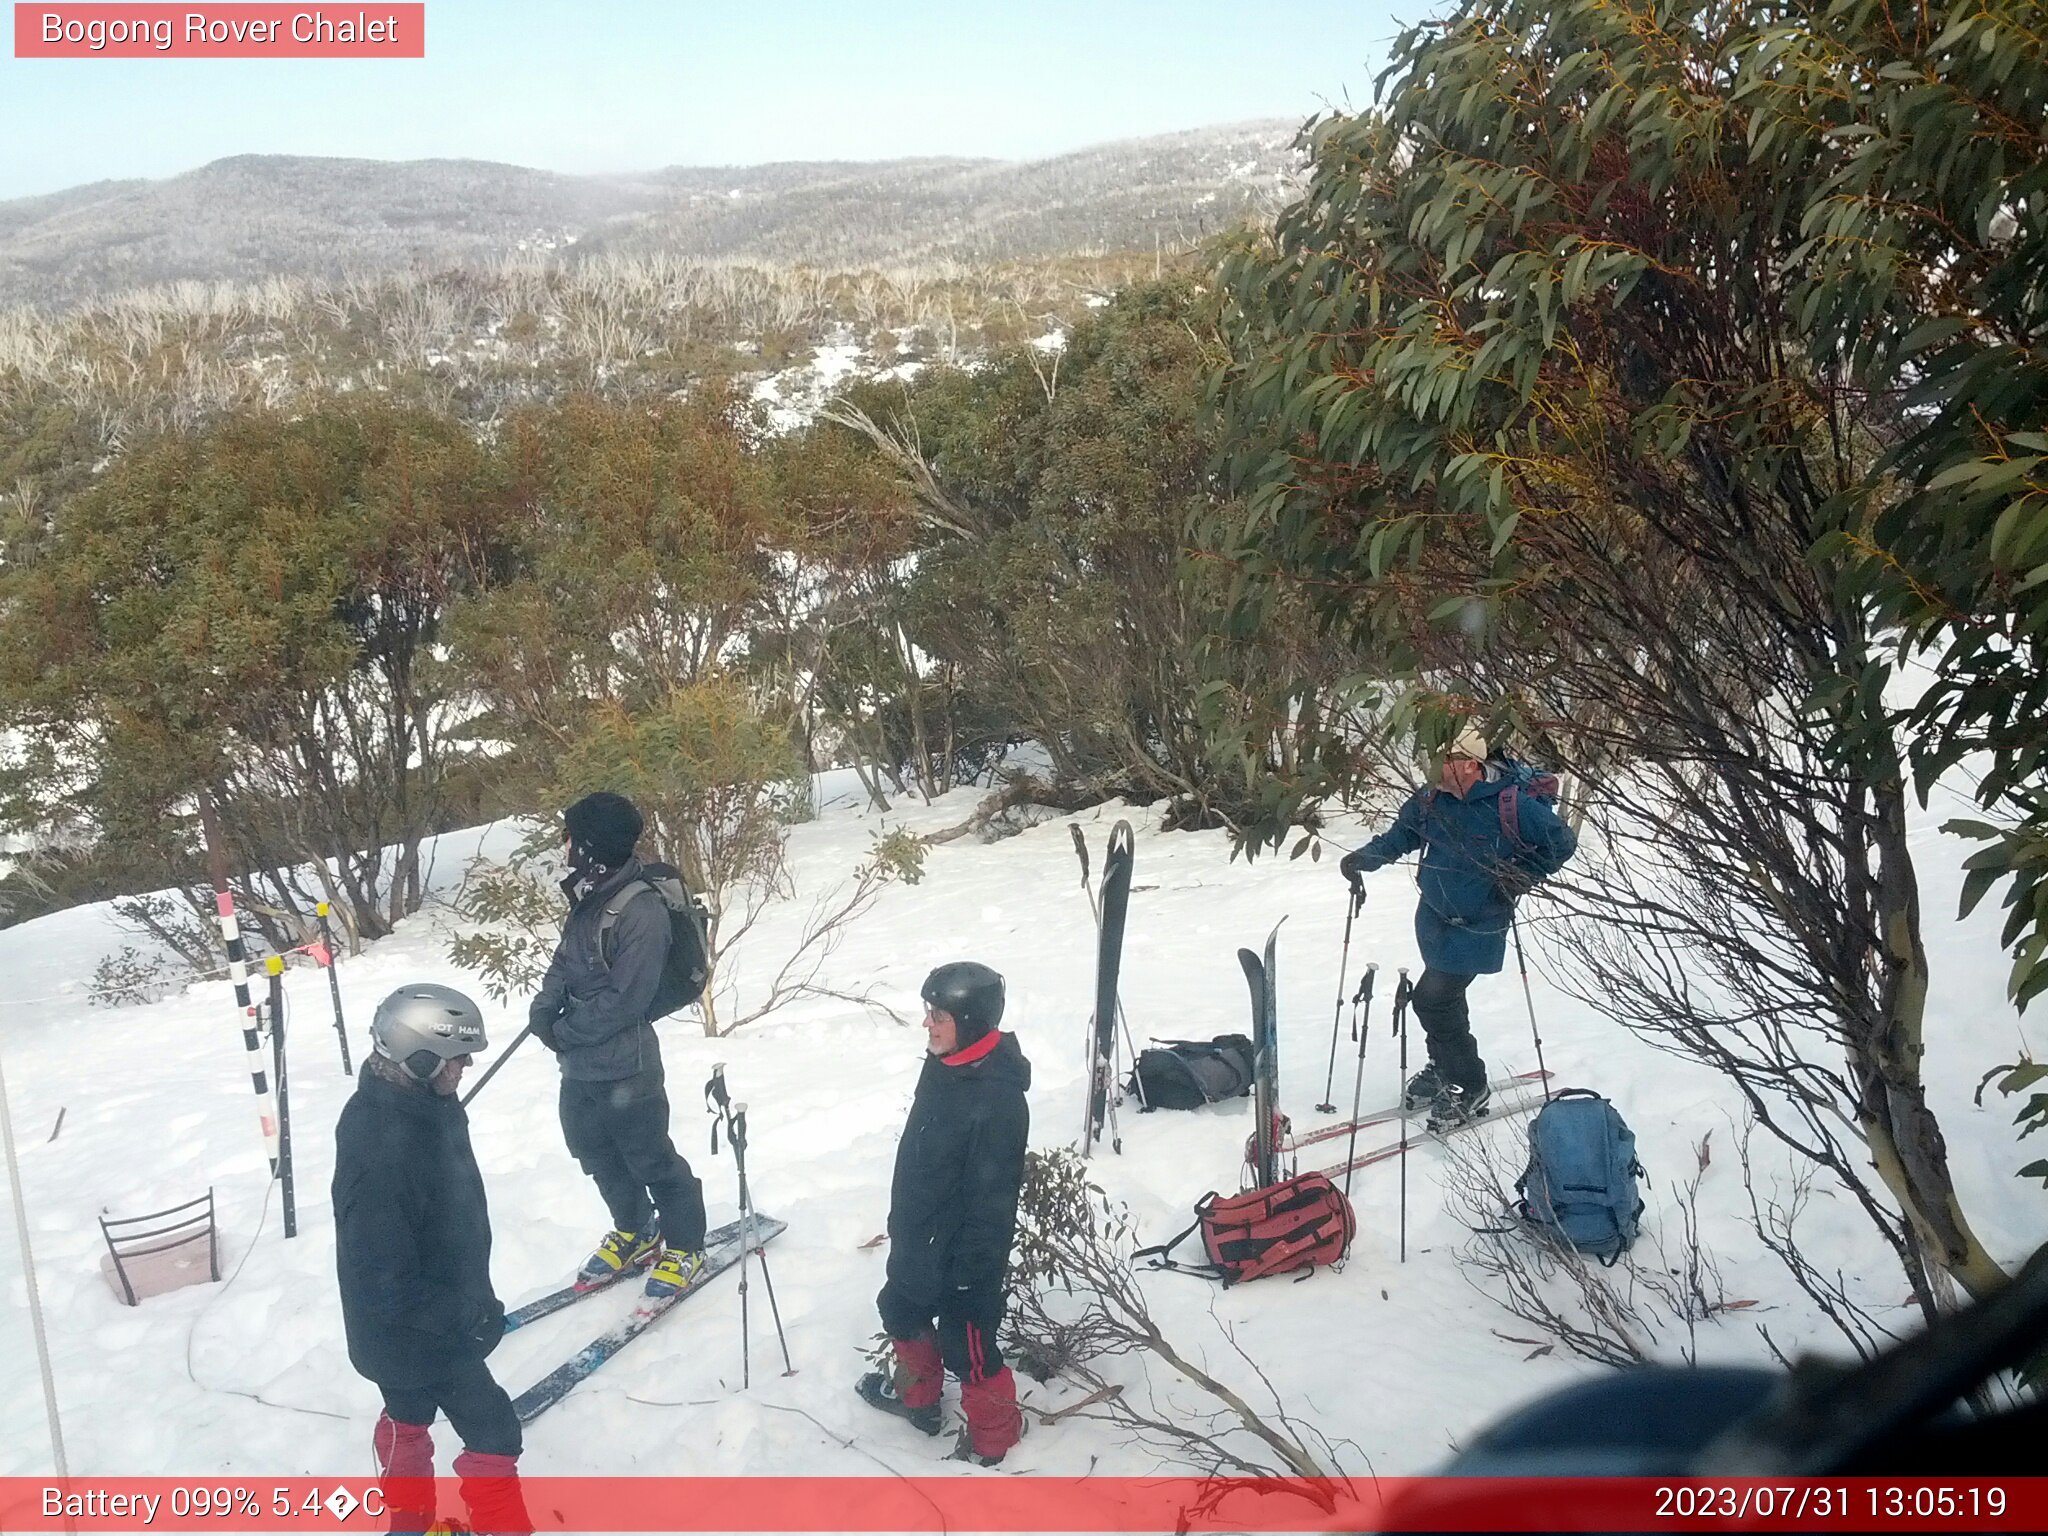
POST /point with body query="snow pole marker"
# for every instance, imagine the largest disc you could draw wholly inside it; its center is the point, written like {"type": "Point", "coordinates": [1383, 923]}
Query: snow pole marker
{"type": "Point", "coordinates": [274, 965]}
{"type": "Point", "coordinates": [1358, 1078]}
{"type": "Point", "coordinates": [231, 936]}
{"type": "Point", "coordinates": [333, 984]}
{"type": "Point", "coordinates": [1522, 964]}
{"type": "Point", "coordinates": [1351, 910]}
{"type": "Point", "coordinates": [252, 1041]}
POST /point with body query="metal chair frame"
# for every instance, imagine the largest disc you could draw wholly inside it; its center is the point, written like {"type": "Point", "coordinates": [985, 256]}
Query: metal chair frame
{"type": "Point", "coordinates": [188, 1227]}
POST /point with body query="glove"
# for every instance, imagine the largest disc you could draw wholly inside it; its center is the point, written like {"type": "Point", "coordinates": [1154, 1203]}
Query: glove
{"type": "Point", "coordinates": [1356, 864]}
{"type": "Point", "coordinates": [544, 1032]}
{"type": "Point", "coordinates": [1515, 882]}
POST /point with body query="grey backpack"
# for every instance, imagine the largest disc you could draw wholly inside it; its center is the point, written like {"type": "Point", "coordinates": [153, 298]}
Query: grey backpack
{"type": "Point", "coordinates": [688, 965]}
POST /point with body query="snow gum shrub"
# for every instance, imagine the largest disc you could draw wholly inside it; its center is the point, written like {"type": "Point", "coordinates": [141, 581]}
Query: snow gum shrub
{"type": "Point", "coordinates": [251, 611]}
{"type": "Point", "coordinates": [899, 855]}
{"type": "Point", "coordinates": [718, 783]}
{"type": "Point", "coordinates": [1076, 1304]}
{"type": "Point", "coordinates": [130, 975]}
{"type": "Point", "coordinates": [1066, 1229]}
{"type": "Point", "coordinates": [1054, 576]}
{"type": "Point", "coordinates": [518, 912]}
{"type": "Point", "coordinates": [1591, 375]}
{"type": "Point", "coordinates": [2015, 1079]}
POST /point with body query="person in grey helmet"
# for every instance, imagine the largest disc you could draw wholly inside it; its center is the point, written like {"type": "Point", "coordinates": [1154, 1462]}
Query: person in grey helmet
{"type": "Point", "coordinates": [412, 1242]}
{"type": "Point", "coordinates": [953, 1217]}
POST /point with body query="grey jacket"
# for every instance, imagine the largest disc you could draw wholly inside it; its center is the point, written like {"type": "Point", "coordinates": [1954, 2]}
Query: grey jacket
{"type": "Point", "coordinates": [597, 1014]}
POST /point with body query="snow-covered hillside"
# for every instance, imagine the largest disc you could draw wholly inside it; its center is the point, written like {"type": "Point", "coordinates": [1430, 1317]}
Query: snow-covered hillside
{"type": "Point", "coordinates": [250, 1377]}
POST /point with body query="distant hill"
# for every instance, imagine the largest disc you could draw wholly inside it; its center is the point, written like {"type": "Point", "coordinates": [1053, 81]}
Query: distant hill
{"type": "Point", "coordinates": [258, 215]}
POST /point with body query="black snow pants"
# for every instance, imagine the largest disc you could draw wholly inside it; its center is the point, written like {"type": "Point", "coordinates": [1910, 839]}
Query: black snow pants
{"type": "Point", "coordinates": [476, 1407]}
{"type": "Point", "coordinates": [618, 1131]}
{"type": "Point", "coordinates": [1446, 1019]}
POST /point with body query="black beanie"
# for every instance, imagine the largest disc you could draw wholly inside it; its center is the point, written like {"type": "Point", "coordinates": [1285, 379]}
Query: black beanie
{"type": "Point", "coordinates": [605, 826]}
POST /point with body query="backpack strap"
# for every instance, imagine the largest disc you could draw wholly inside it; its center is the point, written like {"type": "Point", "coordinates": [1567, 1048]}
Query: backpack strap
{"type": "Point", "coordinates": [1511, 814]}
{"type": "Point", "coordinates": [1158, 1254]}
{"type": "Point", "coordinates": [610, 919]}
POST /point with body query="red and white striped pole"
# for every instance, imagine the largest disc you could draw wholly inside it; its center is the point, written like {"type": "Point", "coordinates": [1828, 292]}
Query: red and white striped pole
{"type": "Point", "coordinates": [231, 935]}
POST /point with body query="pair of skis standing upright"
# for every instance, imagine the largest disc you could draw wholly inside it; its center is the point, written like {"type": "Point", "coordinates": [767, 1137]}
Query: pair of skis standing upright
{"type": "Point", "coordinates": [1270, 1139]}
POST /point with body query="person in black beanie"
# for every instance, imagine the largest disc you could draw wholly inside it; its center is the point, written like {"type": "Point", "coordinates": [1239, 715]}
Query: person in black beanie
{"type": "Point", "coordinates": [592, 1012]}
{"type": "Point", "coordinates": [953, 1217]}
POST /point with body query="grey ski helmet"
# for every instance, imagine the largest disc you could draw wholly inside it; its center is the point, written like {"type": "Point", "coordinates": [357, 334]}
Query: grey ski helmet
{"type": "Point", "coordinates": [971, 993]}
{"type": "Point", "coordinates": [424, 1025]}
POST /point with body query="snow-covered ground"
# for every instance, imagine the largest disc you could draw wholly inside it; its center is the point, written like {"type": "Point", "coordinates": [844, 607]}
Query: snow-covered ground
{"type": "Point", "coordinates": [250, 1377]}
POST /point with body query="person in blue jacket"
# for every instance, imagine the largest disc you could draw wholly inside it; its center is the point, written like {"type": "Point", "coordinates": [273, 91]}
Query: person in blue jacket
{"type": "Point", "coordinates": [1488, 836]}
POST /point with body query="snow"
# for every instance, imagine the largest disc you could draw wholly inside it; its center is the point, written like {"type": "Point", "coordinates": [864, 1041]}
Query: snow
{"type": "Point", "coordinates": [795, 395]}
{"type": "Point", "coordinates": [251, 1377]}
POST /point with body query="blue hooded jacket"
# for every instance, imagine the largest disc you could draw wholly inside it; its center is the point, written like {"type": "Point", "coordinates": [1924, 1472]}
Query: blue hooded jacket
{"type": "Point", "coordinates": [1473, 869]}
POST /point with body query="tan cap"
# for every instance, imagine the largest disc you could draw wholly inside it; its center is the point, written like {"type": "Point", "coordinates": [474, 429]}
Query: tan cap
{"type": "Point", "coordinates": [1469, 742]}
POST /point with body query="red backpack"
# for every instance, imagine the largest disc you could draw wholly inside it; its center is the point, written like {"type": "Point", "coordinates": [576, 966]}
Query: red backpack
{"type": "Point", "coordinates": [1296, 1224]}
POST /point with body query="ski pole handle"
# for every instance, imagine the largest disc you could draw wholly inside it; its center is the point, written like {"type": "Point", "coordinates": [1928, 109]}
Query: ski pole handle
{"type": "Point", "coordinates": [736, 1134]}
{"type": "Point", "coordinates": [714, 1090]}
{"type": "Point", "coordinates": [1080, 848]}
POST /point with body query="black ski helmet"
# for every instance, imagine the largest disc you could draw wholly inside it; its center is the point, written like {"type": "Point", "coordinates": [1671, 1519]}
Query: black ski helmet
{"type": "Point", "coordinates": [971, 993]}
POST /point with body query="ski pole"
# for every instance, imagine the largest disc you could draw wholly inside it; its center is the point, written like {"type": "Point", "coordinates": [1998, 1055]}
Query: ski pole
{"type": "Point", "coordinates": [1328, 1106]}
{"type": "Point", "coordinates": [334, 985]}
{"type": "Point", "coordinates": [1522, 964]}
{"type": "Point", "coordinates": [733, 1116]}
{"type": "Point", "coordinates": [274, 966]}
{"type": "Point", "coordinates": [737, 1135]}
{"type": "Point", "coordinates": [721, 1106]}
{"type": "Point", "coordinates": [492, 1071]}
{"type": "Point", "coordinates": [1358, 1079]}
{"type": "Point", "coordinates": [1402, 992]}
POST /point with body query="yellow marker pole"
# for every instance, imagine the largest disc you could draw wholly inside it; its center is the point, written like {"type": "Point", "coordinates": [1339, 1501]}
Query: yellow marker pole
{"type": "Point", "coordinates": [334, 987]}
{"type": "Point", "coordinates": [275, 966]}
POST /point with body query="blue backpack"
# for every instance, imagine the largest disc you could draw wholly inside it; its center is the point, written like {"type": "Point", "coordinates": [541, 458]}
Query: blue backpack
{"type": "Point", "coordinates": [1580, 1185]}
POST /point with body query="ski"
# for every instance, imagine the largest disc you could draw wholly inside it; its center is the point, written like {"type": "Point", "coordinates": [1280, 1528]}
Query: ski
{"type": "Point", "coordinates": [722, 1251]}
{"type": "Point", "coordinates": [569, 1295]}
{"type": "Point", "coordinates": [1493, 1116]}
{"type": "Point", "coordinates": [1109, 949]}
{"type": "Point", "coordinates": [1500, 1085]}
{"type": "Point", "coordinates": [1260, 976]}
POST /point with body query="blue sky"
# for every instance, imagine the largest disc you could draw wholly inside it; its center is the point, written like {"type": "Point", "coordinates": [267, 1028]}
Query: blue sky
{"type": "Point", "coordinates": [623, 85]}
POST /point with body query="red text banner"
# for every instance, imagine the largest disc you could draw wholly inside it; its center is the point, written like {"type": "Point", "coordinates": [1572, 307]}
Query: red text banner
{"type": "Point", "coordinates": [978, 1501]}
{"type": "Point", "coordinates": [112, 31]}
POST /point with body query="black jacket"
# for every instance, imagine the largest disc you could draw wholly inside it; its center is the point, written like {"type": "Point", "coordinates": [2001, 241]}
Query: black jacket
{"type": "Point", "coordinates": [412, 1236]}
{"type": "Point", "coordinates": [595, 1015]}
{"type": "Point", "coordinates": [953, 1201]}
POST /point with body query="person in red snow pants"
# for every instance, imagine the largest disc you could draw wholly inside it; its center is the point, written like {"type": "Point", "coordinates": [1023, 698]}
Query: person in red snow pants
{"type": "Point", "coordinates": [953, 1216]}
